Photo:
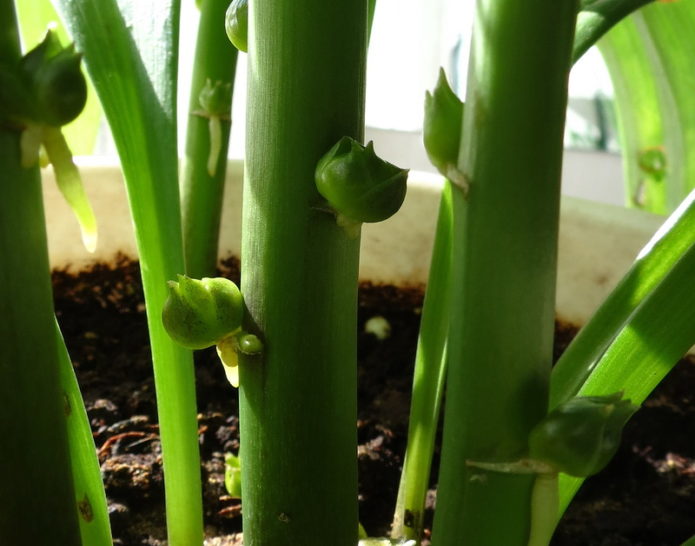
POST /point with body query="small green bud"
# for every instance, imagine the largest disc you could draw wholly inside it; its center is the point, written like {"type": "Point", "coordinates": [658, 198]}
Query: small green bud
{"type": "Point", "coordinates": [216, 102]}
{"type": "Point", "coordinates": [442, 126]}
{"type": "Point", "coordinates": [249, 344]}
{"type": "Point", "coordinates": [653, 162]}
{"type": "Point", "coordinates": [61, 89]}
{"type": "Point", "coordinates": [232, 475]}
{"type": "Point", "coordinates": [236, 23]}
{"type": "Point", "coordinates": [58, 86]}
{"type": "Point", "coordinates": [580, 436]}
{"type": "Point", "coordinates": [215, 98]}
{"type": "Point", "coordinates": [200, 313]}
{"type": "Point", "coordinates": [358, 185]}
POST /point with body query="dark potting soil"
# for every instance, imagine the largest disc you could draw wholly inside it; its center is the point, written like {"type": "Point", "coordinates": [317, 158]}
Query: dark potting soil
{"type": "Point", "coordinates": [645, 497]}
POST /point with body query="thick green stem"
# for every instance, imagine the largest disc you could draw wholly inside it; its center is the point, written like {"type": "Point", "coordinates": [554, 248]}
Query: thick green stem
{"type": "Point", "coordinates": [306, 90]}
{"type": "Point", "coordinates": [203, 188]}
{"type": "Point", "coordinates": [37, 494]}
{"type": "Point", "coordinates": [504, 264]}
{"type": "Point", "coordinates": [428, 383]}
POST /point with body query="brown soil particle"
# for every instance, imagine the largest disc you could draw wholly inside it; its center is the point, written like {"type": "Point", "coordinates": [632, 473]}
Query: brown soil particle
{"type": "Point", "coordinates": [646, 496]}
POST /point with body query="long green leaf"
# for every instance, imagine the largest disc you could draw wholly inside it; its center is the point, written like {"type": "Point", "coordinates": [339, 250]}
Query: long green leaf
{"type": "Point", "coordinates": [641, 330]}
{"type": "Point", "coordinates": [428, 382]}
{"type": "Point", "coordinates": [649, 57]}
{"type": "Point", "coordinates": [660, 255]}
{"type": "Point", "coordinates": [95, 528]}
{"type": "Point", "coordinates": [660, 331]}
{"type": "Point", "coordinates": [130, 50]}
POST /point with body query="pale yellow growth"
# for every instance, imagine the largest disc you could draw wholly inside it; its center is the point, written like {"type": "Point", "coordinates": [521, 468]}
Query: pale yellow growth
{"type": "Point", "coordinates": [66, 173]}
{"type": "Point", "coordinates": [227, 351]}
{"type": "Point", "coordinates": [215, 128]}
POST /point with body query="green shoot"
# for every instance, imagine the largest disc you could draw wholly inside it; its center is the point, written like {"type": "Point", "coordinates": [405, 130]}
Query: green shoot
{"type": "Point", "coordinates": [207, 140]}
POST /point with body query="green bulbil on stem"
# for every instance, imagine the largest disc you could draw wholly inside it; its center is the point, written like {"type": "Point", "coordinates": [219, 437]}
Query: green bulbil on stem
{"type": "Point", "coordinates": [215, 99]}
{"type": "Point", "coordinates": [442, 128]}
{"type": "Point", "coordinates": [652, 161]}
{"type": "Point", "coordinates": [358, 185]}
{"type": "Point", "coordinates": [236, 24]}
{"type": "Point", "coordinates": [52, 86]}
{"type": "Point", "coordinates": [202, 313]}
{"type": "Point", "coordinates": [199, 313]}
{"type": "Point", "coordinates": [43, 91]}
{"type": "Point", "coordinates": [581, 436]}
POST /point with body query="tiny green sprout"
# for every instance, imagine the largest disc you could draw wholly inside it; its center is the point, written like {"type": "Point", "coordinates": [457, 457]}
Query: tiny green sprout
{"type": "Point", "coordinates": [653, 162]}
{"type": "Point", "coordinates": [236, 23]}
{"type": "Point", "coordinates": [215, 99]}
{"type": "Point", "coordinates": [580, 436]}
{"type": "Point", "coordinates": [202, 313]}
{"type": "Point", "coordinates": [443, 128]}
{"type": "Point", "coordinates": [379, 327]}
{"type": "Point", "coordinates": [232, 475]}
{"type": "Point", "coordinates": [359, 186]}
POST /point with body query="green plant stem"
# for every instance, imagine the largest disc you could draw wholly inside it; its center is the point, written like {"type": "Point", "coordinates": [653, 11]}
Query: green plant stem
{"type": "Point", "coordinates": [596, 17]}
{"type": "Point", "coordinates": [428, 382]}
{"type": "Point", "coordinates": [95, 528]}
{"type": "Point", "coordinates": [504, 264]}
{"type": "Point", "coordinates": [215, 60]}
{"type": "Point", "coordinates": [133, 69]}
{"type": "Point", "coordinates": [37, 495]}
{"type": "Point", "coordinates": [306, 90]}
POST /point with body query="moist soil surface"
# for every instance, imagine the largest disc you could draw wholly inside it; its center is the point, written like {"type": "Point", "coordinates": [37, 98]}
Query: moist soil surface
{"type": "Point", "coordinates": [646, 495]}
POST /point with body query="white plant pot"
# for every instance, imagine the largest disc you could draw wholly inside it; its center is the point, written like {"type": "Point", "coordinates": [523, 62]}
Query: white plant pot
{"type": "Point", "coordinates": [598, 242]}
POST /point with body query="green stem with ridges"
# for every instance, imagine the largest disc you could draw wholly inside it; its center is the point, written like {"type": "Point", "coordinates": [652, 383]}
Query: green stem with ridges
{"type": "Point", "coordinates": [37, 494]}
{"type": "Point", "coordinates": [504, 265]}
{"type": "Point", "coordinates": [306, 90]}
{"type": "Point", "coordinates": [428, 382]}
{"type": "Point", "coordinates": [215, 60]}
{"type": "Point", "coordinates": [95, 528]}
{"type": "Point", "coordinates": [134, 71]}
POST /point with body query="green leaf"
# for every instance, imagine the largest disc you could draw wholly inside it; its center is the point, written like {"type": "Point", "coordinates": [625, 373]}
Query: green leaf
{"type": "Point", "coordinates": [95, 528]}
{"type": "Point", "coordinates": [641, 330]}
{"type": "Point", "coordinates": [130, 50]}
{"type": "Point", "coordinates": [649, 57]}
